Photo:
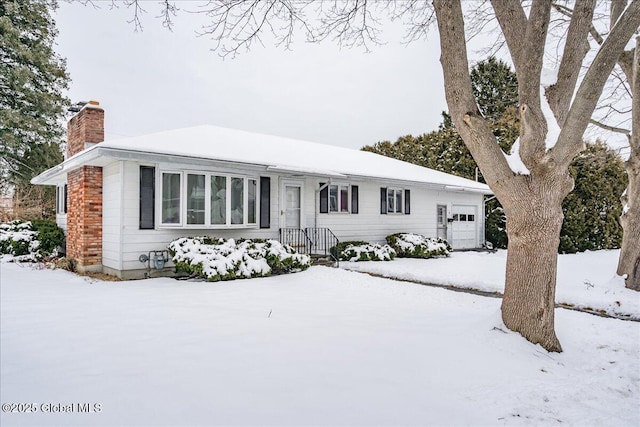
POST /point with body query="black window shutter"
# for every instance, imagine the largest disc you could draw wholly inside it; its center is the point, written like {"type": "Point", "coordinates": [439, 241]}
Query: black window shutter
{"type": "Point", "coordinates": [324, 198]}
{"type": "Point", "coordinates": [147, 197]}
{"type": "Point", "coordinates": [66, 195]}
{"type": "Point", "coordinates": [265, 202]}
{"type": "Point", "coordinates": [383, 200]}
{"type": "Point", "coordinates": [407, 202]}
{"type": "Point", "coordinates": [354, 199]}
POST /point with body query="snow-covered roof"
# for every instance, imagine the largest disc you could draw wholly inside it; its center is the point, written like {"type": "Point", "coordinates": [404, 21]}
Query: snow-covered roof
{"type": "Point", "coordinates": [277, 154]}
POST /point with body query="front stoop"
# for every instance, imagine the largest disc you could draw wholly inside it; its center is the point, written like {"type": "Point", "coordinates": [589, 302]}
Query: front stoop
{"type": "Point", "coordinates": [324, 260]}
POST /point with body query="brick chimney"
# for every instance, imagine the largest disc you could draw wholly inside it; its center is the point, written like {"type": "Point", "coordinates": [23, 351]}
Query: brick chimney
{"type": "Point", "coordinates": [84, 186]}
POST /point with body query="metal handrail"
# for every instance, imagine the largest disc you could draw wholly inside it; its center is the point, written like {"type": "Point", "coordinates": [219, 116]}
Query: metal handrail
{"type": "Point", "coordinates": [323, 240]}
{"type": "Point", "coordinates": [311, 240]}
{"type": "Point", "coordinates": [296, 238]}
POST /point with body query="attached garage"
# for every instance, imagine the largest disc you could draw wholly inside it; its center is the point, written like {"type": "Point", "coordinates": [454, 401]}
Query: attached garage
{"type": "Point", "coordinates": [464, 227]}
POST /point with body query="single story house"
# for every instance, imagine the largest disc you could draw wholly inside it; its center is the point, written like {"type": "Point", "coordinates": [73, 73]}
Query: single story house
{"type": "Point", "coordinates": [121, 199]}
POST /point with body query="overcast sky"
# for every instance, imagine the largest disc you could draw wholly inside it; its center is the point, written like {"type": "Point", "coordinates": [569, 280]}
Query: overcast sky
{"type": "Point", "coordinates": [156, 80]}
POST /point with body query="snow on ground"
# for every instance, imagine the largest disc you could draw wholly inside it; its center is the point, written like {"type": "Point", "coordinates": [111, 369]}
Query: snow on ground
{"type": "Point", "coordinates": [321, 347]}
{"type": "Point", "coordinates": [585, 280]}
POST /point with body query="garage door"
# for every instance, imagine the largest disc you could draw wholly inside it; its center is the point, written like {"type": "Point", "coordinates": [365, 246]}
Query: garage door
{"type": "Point", "coordinates": [464, 227]}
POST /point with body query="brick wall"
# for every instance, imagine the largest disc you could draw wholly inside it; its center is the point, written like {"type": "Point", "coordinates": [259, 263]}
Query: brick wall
{"type": "Point", "coordinates": [84, 213]}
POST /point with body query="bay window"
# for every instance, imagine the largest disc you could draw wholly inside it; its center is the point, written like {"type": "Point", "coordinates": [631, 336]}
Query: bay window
{"type": "Point", "coordinates": [171, 198]}
{"type": "Point", "coordinates": [252, 191]}
{"type": "Point", "coordinates": [218, 200]}
{"type": "Point", "coordinates": [195, 199]}
{"type": "Point", "coordinates": [237, 203]}
{"type": "Point", "coordinates": [208, 200]}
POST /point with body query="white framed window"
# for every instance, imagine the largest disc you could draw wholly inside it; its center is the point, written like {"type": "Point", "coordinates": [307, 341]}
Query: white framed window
{"type": "Point", "coordinates": [394, 200]}
{"type": "Point", "coordinates": [339, 198]}
{"type": "Point", "coordinates": [207, 200]}
{"type": "Point", "coordinates": [171, 198]}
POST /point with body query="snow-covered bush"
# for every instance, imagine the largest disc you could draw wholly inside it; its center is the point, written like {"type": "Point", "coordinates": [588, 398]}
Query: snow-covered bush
{"type": "Point", "coordinates": [30, 241]}
{"type": "Point", "coordinates": [363, 251]}
{"type": "Point", "coordinates": [409, 245]}
{"type": "Point", "coordinates": [225, 259]}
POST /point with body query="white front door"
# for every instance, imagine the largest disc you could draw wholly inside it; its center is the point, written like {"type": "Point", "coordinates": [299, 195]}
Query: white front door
{"type": "Point", "coordinates": [464, 227]}
{"type": "Point", "coordinates": [293, 205]}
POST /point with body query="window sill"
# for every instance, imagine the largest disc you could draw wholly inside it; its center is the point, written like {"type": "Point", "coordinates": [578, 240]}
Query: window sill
{"type": "Point", "coordinates": [206, 227]}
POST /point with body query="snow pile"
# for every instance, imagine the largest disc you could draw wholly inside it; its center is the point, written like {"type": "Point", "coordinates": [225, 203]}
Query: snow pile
{"type": "Point", "coordinates": [20, 241]}
{"type": "Point", "coordinates": [515, 161]}
{"type": "Point", "coordinates": [367, 252]}
{"type": "Point", "coordinates": [407, 245]}
{"type": "Point", "coordinates": [217, 259]}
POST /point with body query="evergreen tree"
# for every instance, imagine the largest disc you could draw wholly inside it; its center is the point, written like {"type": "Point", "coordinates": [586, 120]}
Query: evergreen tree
{"type": "Point", "coordinates": [32, 78]}
{"type": "Point", "coordinates": [592, 209]}
{"type": "Point", "coordinates": [495, 87]}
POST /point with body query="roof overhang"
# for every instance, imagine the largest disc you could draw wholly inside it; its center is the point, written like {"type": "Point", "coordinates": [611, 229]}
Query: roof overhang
{"type": "Point", "coordinates": [103, 156]}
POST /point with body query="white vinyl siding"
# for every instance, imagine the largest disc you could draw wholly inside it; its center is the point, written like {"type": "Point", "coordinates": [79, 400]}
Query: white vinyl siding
{"type": "Point", "coordinates": [136, 242]}
{"type": "Point", "coordinates": [124, 242]}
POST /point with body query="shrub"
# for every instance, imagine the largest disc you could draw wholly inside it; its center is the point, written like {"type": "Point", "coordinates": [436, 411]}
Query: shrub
{"type": "Point", "coordinates": [30, 241]}
{"type": "Point", "coordinates": [49, 234]}
{"type": "Point", "coordinates": [367, 252]}
{"type": "Point", "coordinates": [340, 247]}
{"type": "Point", "coordinates": [217, 259]}
{"type": "Point", "coordinates": [18, 239]}
{"type": "Point", "coordinates": [409, 245]}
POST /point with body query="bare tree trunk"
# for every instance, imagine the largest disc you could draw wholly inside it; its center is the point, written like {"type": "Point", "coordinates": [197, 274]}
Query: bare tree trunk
{"type": "Point", "coordinates": [629, 262]}
{"type": "Point", "coordinates": [534, 218]}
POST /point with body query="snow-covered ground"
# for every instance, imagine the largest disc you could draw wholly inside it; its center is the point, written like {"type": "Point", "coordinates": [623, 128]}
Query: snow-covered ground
{"type": "Point", "coordinates": [585, 280]}
{"type": "Point", "coordinates": [321, 347]}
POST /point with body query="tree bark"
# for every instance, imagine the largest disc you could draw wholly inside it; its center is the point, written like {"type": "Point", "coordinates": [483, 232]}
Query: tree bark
{"type": "Point", "coordinates": [629, 262]}
{"type": "Point", "coordinates": [532, 203]}
{"type": "Point", "coordinates": [534, 219]}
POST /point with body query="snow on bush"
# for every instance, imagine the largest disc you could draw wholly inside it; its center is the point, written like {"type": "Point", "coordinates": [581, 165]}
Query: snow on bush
{"type": "Point", "coordinates": [409, 245]}
{"type": "Point", "coordinates": [20, 241]}
{"type": "Point", "coordinates": [217, 259]}
{"type": "Point", "coordinates": [363, 251]}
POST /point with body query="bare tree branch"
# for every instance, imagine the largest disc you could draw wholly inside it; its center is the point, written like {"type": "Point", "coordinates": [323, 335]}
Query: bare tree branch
{"type": "Point", "coordinates": [512, 20]}
{"type": "Point", "coordinates": [570, 139]}
{"type": "Point", "coordinates": [167, 13]}
{"type": "Point", "coordinates": [609, 128]}
{"type": "Point", "coordinates": [462, 104]}
{"type": "Point", "coordinates": [575, 49]}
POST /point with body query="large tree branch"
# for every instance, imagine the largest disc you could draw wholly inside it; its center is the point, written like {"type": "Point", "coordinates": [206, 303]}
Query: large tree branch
{"type": "Point", "coordinates": [570, 139]}
{"type": "Point", "coordinates": [533, 124]}
{"type": "Point", "coordinates": [635, 106]}
{"type": "Point", "coordinates": [617, 7]}
{"type": "Point", "coordinates": [575, 49]}
{"type": "Point", "coordinates": [512, 21]}
{"type": "Point", "coordinates": [474, 129]}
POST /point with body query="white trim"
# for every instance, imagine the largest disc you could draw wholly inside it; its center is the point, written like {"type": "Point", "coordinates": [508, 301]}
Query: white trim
{"type": "Point", "coordinates": [183, 224]}
{"type": "Point", "coordinates": [282, 220]}
{"type": "Point", "coordinates": [395, 190]}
